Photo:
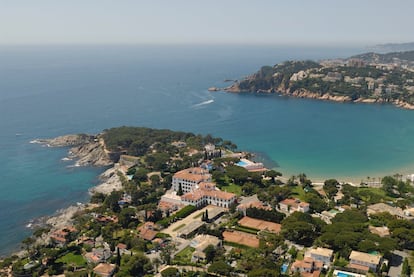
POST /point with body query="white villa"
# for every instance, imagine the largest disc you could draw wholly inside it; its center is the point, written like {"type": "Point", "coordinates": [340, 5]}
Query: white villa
{"type": "Point", "coordinates": [189, 178]}
{"type": "Point", "coordinates": [364, 261]}
{"type": "Point", "coordinates": [207, 194]}
{"type": "Point", "coordinates": [320, 254]}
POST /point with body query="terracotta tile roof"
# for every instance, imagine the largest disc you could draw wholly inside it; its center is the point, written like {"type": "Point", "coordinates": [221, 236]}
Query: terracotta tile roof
{"type": "Point", "coordinates": [310, 266]}
{"type": "Point", "coordinates": [219, 194]}
{"type": "Point", "coordinates": [93, 257]}
{"type": "Point", "coordinates": [260, 224]}
{"type": "Point", "coordinates": [164, 206]}
{"type": "Point", "coordinates": [301, 264]}
{"type": "Point", "coordinates": [315, 273]}
{"type": "Point", "coordinates": [294, 203]}
{"type": "Point", "coordinates": [148, 225]}
{"type": "Point", "coordinates": [121, 246]}
{"type": "Point", "coordinates": [62, 234]}
{"type": "Point", "coordinates": [193, 196]}
{"type": "Point", "coordinates": [207, 189]}
{"type": "Point", "coordinates": [148, 234]}
{"type": "Point", "coordinates": [104, 218]}
{"type": "Point", "coordinates": [195, 174]}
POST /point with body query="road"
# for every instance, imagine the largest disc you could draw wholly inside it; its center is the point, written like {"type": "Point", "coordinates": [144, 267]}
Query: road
{"type": "Point", "coordinates": [396, 263]}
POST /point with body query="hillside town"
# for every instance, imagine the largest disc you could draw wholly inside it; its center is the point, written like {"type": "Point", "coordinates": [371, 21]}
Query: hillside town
{"type": "Point", "coordinates": [206, 209]}
{"type": "Point", "coordinates": [366, 78]}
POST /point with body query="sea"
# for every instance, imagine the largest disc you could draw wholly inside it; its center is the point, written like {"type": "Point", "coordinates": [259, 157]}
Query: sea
{"type": "Point", "coordinates": [47, 91]}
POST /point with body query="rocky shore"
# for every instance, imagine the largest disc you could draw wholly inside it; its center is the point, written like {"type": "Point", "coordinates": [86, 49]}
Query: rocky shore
{"type": "Point", "coordinates": [302, 93]}
{"type": "Point", "coordinates": [110, 182]}
{"type": "Point", "coordinates": [88, 150]}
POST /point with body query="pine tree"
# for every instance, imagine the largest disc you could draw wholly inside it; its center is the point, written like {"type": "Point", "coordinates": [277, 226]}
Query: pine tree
{"type": "Point", "coordinates": [180, 190]}
{"type": "Point", "coordinates": [406, 270]}
{"type": "Point", "coordinates": [118, 257]}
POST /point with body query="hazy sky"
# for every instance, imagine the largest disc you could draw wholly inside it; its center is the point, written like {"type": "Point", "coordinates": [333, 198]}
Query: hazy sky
{"type": "Point", "coordinates": [316, 22]}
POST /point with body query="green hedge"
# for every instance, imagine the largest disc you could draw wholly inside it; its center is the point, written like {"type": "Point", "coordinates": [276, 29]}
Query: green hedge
{"type": "Point", "coordinates": [184, 212]}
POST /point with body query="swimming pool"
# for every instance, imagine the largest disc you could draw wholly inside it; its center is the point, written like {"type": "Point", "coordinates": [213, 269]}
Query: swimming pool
{"type": "Point", "coordinates": [241, 163]}
{"type": "Point", "coordinates": [284, 268]}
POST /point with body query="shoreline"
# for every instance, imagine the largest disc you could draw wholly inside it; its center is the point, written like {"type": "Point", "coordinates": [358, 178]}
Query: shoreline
{"type": "Point", "coordinates": [320, 178]}
{"type": "Point", "coordinates": [63, 217]}
{"type": "Point", "coordinates": [84, 152]}
{"type": "Point", "coordinates": [110, 181]}
{"type": "Point", "coordinates": [306, 94]}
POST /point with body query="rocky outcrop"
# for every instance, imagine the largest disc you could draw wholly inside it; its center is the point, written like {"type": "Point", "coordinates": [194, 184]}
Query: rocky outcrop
{"type": "Point", "coordinates": [404, 105]}
{"type": "Point", "coordinates": [67, 140]}
{"type": "Point", "coordinates": [302, 93]}
{"type": "Point", "coordinates": [88, 150]}
{"type": "Point", "coordinates": [110, 182]}
{"type": "Point", "coordinates": [90, 154]}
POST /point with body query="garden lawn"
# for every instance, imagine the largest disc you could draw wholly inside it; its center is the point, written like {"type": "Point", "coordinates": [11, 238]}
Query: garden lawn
{"type": "Point", "coordinates": [299, 193]}
{"type": "Point", "coordinates": [233, 188]}
{"type": "Point", "coordinates": [72, 259]}
{"type": "Point", "coordinates": [184, 256]}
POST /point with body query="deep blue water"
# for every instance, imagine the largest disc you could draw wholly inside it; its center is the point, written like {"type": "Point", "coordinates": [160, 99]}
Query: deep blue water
{"type": "Point", "coordinates": [51, 91]}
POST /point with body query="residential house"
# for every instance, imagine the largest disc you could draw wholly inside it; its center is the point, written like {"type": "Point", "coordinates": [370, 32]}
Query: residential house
{"type": "Point", "coordinates": [104, 270]}
{"type": "Point", "coordinates": [381, 231]}
{"type": "Point", "coordinates": [123, 248]}
{"type": "Point", "coordinates": [291, 205]}
{"type": "Point", "coordinates": [98, 255]}
{"type": "Point", "coordinates": [395, 211]}
{"type": "Point", "coordinates": [307, 267]}
{"type": "Point", "coordinates": [364, 261]}
{"type": "Point", "coordinates": [105, 219]}
{"type": "Point", "coordinates": [200, 243]}
{"type": "Point", "coordinates": [320, 254]}
{"type": "Point", "coordinates": [63, 236]}
{"type": "Point", "coordinates": [148, 230]}
{"type": "Point", "coordinates": [253, 204]}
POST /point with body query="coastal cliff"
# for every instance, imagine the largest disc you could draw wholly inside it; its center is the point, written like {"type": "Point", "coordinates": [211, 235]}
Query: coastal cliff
{"type": "Point", "coordinates": [349, 80]}
{"type": "Point", "coordinates": [88, 150]}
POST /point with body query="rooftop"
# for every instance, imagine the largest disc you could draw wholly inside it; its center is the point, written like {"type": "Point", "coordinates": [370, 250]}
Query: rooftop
{"type": "Point", "coordinates": [104, 269]}
{"type": "Point", "coordinates": [326, 252]}
{"type": "Point", "coordinates": [196, 174]}
{"type": "Point", "coordinates": [365, 257]}
{"type": "Point", "coordinates": [207, 189]}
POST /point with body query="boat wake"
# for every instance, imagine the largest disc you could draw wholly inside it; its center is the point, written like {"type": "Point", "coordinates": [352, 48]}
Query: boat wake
{"type": "Point", "coordinates": [203, 103]}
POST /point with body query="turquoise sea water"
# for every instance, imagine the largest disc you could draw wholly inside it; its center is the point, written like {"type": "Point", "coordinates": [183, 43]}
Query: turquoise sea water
{"type": "Point", "coordinates": [51, 91]}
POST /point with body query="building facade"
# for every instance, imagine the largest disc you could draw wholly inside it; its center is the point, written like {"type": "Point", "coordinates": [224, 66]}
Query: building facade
{"type": "Point", "coordinates": [189, 178]}
{"type": "Point", "coordinates": [207, 194]}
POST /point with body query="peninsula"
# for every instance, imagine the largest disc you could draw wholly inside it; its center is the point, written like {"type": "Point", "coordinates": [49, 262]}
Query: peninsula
{"type": "Point", "coordinates": [180, 204]}
{"type": "Point", "coordinates": [368, 78]}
